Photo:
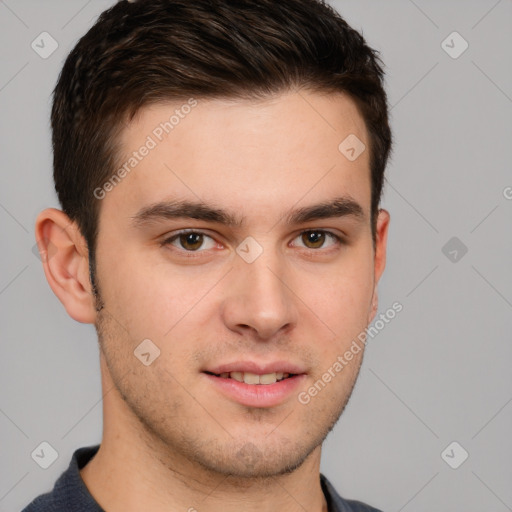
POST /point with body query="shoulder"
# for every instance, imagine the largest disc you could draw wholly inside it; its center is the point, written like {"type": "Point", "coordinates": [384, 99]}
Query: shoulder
{"type": "Point", "coordinates": [43, 503]}
{"type": "Point", "coordinates": [338, 504]}
{"type": "Point", "coordinates": [69, 493]}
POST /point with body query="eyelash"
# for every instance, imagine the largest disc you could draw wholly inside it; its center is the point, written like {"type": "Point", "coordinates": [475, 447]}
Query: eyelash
{"type": "Point", "coordinates": [168, 241]}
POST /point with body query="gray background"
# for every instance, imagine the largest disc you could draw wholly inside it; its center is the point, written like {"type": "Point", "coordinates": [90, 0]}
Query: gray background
{"type": "Point", "coordinates": [439, 372]}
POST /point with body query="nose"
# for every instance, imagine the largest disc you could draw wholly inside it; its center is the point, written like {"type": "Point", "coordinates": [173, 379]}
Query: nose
{"type": "Point", "coordinates": [259, 298]}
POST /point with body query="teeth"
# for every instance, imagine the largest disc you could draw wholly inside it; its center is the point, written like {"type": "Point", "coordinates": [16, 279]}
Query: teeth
{"type": "Point", "coordinates": [270, 378]}
{"type": "Point", "coordinates": [239, 376]}
{"type": "Point", "coordinates": [252, 378]}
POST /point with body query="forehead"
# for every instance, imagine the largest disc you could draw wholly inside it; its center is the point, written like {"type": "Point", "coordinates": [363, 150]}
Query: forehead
{"type": "Point", "coordinates": [289, 149]}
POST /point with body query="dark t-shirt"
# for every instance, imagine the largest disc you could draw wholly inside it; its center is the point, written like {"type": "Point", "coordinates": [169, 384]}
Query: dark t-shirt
{"type": "Point", "coordinates": [71, 495]}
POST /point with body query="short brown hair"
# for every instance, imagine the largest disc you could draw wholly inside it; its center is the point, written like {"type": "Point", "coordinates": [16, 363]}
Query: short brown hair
{"type": "Point", "coordinates": [146, 51]}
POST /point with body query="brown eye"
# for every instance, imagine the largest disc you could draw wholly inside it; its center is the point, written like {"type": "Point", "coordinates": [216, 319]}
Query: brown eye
{"type": "Point", "coordinates": [316, 239]}
{"type": "Point", "coordinates": [313, 239]}
{"type": "Point", "coordinates": [190, 241]}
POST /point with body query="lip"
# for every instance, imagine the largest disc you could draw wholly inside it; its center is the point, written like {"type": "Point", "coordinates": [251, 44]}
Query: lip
{"type": "Point", "coordinates": [259, 369]}
{"type": "Point", "coordinates": [257, 395]}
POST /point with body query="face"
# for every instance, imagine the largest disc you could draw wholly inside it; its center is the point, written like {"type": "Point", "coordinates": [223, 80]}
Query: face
{"type": "Point", "coordinates": [257, 279]}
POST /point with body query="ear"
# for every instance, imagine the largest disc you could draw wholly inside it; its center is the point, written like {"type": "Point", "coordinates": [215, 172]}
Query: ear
{"type": "Point", "coordinates": [65, 260]}
{"type": "Point", "coordinates": [380, 257]}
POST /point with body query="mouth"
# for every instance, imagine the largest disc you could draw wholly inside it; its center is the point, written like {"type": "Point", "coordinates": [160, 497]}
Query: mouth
{"type": "Point", "coordinates": [261, 390]}
{"type": "Point", "coordinates": [254, 378]}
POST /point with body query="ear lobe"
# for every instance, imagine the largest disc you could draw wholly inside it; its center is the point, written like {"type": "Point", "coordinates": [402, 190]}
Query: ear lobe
{"type": "Point", "coordinates": [374, 306]}
{"type": "Point", "coordinates": [65, 261]}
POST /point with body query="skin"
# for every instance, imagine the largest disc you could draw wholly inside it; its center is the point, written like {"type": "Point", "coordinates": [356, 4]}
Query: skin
{"type": "Point", "coordinates": [170, 439]}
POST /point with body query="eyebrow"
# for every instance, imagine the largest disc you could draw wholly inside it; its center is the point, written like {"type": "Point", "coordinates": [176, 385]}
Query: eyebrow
{"type": "Point", "coordinates": [180, 209]}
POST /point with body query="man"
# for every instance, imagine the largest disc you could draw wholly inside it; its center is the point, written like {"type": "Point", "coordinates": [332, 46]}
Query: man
{"type": "Point", "coordinates": [219, 166]}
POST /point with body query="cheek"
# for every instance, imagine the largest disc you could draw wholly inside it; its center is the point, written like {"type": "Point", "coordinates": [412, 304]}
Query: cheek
{"type": "Point", "coordinates": [341, 299]}
{"type": "Point", "coordinates": [153, 299]}
{"type": "Point", "coordinates": [343, 291]}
